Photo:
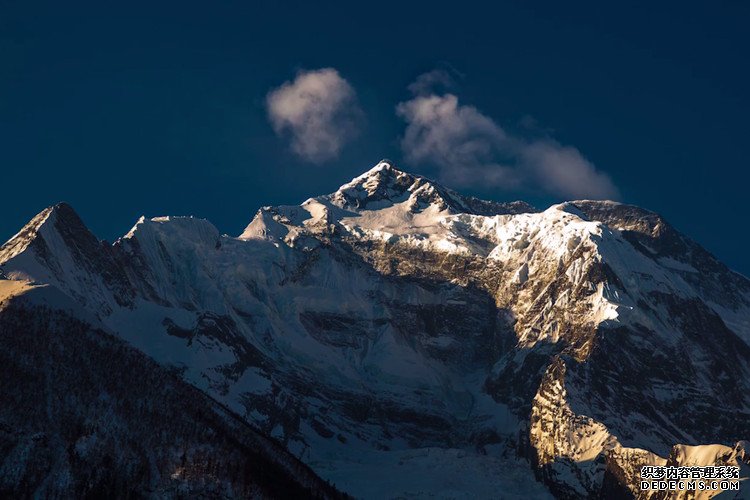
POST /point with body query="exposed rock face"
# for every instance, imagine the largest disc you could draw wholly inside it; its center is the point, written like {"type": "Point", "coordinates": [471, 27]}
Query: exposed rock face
{"type": "Point", "coordinates": [395, 324]}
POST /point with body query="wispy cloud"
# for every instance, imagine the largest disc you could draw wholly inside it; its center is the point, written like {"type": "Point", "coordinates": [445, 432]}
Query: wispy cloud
{"type": "Point", "coordinates": [470, 148]}
{"type": "Point", "coordinates": [317, 111]}
{"type": "Point", "coordinates": [433, 81]}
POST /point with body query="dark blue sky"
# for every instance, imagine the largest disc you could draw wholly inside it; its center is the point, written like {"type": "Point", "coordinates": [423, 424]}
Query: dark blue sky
{"type": "Point", "coordinates": [158, 108]}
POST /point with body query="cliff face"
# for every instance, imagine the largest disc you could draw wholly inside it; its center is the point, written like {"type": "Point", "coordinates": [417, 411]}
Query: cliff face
{"type": "Point", "coordinates": [397, 328]}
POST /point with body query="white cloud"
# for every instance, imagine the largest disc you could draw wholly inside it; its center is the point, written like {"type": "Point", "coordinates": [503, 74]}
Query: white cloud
{"type": "Point", "coordinates": [318, 111]}
{"type": "Point", "coordinates": [463, 142]}
{"type": "Point", "coordinates": [431, 81]}
{"type": "Point", "coordinates": [470, 148]}
{"type": "Point", "coordinates": [564, 171]}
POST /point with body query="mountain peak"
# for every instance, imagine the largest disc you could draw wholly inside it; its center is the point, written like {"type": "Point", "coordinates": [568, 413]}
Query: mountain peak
{"type": "Point", "coordinates": [384, 165]}
{"type": "Point", "coordinates": [62, 206]}
{"type": "Point", "coordinates": [49, 219]}
{"type": "Point", "coordinates": [379, 197]}
{"type": "Point", "coordinates": [55, 228]}
{"type": "Point", "coordinates": [386, 185]}
{"type": "Point", "coordinates": [380, 178]}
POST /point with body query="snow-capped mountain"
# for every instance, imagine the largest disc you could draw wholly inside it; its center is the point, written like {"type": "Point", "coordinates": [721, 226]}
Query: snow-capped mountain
{"type": "Point", "coordinates": [403, 339]}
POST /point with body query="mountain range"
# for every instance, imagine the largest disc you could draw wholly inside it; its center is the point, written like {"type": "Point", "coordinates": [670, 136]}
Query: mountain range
{"type": "Point", "coordinates": [391, 339]}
